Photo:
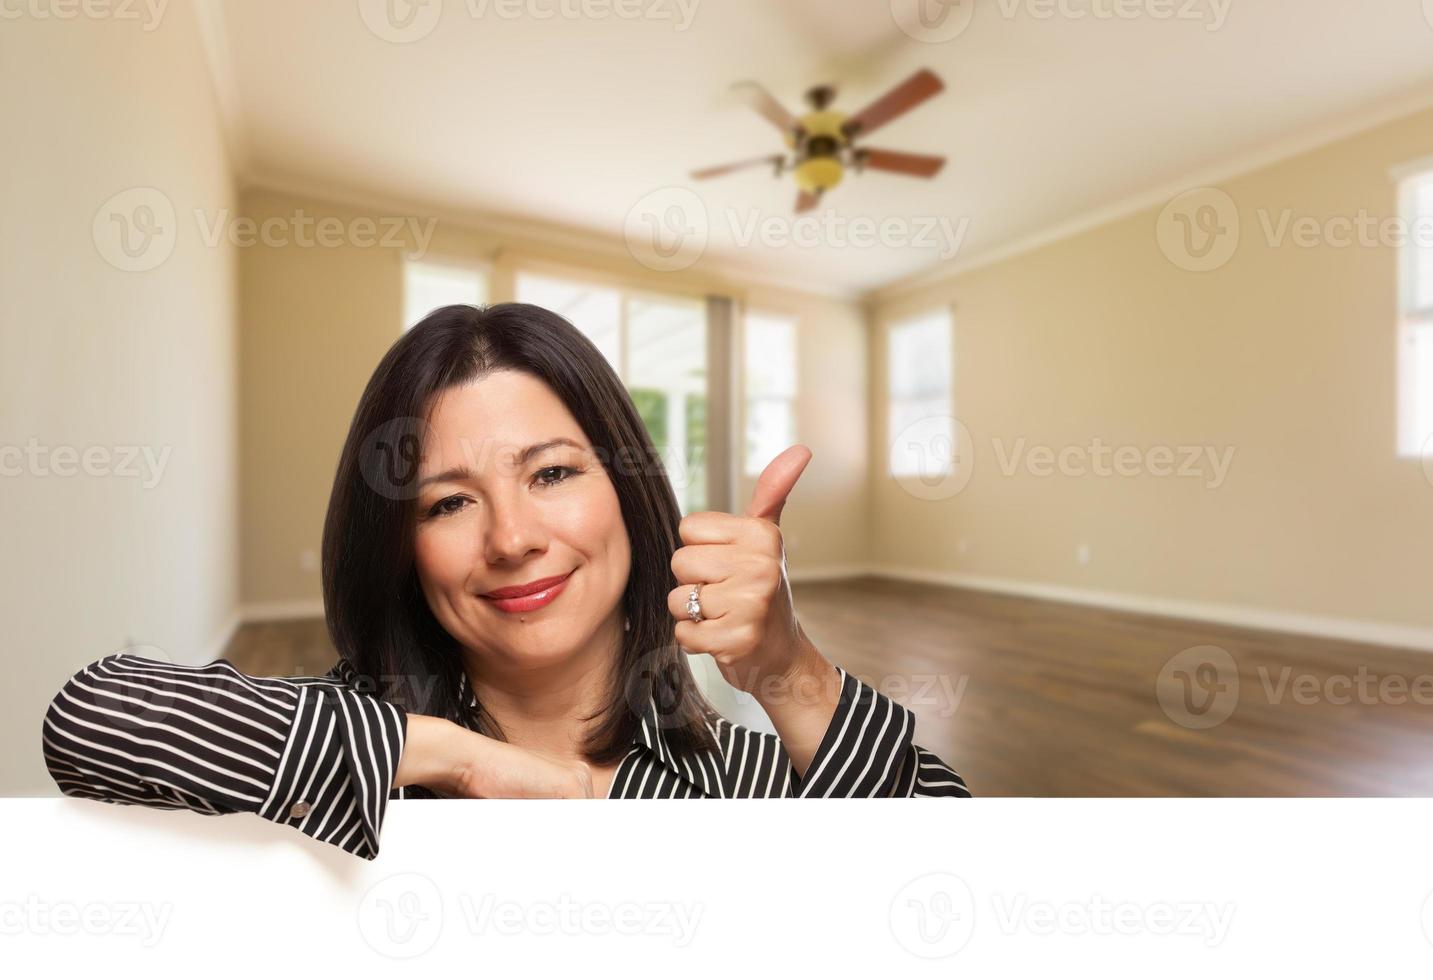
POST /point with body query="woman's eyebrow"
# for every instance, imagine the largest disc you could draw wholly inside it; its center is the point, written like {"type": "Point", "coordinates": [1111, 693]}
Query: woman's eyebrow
{"type": "Point", "coordinates": [457, 473]}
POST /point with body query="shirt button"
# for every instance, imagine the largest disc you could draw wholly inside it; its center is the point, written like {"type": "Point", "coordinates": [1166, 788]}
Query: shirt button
{"type": "Point", "coordinates": [299, 809]}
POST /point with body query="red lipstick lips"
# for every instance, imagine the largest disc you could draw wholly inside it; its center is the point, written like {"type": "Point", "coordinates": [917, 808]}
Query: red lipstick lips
{"type": "Point", "coordinates": [527, 597]}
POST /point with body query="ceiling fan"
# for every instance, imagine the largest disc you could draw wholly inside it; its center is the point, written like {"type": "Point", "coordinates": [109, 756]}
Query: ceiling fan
{"type": "Point", "coordinates": [822, 141]}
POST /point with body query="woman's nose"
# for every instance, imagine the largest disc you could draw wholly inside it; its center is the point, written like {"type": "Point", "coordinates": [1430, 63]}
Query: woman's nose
{"type": "Point", "coordinates": [514, 532]}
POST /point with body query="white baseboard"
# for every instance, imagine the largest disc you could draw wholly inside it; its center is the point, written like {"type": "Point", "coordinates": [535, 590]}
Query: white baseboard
{"type": "Point", "coordinates": [1355, 630]}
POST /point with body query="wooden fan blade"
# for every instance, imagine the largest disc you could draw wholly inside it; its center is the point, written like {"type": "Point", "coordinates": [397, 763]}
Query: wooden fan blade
{"type": "Point", "coordinates": [914, 164]}
{"type": "Point", "coordinates": [727, 168]}
{"type": "Point", "coordinates": [805, 201]}
{"type": "Point", "coordinates": [765, 103]}
{"type": "Point", "coordinates": [898, 101]}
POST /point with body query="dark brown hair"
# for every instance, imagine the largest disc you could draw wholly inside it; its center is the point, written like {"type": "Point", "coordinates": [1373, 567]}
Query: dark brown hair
{"type": "Point", "coordinates": [378, 617]}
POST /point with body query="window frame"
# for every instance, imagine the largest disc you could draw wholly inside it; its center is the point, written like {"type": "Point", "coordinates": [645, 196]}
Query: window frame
{"type": "Point", "coordinates": [1414, 323]}
{"type": "Point", "coordinates": [948, 396]}
{"type": "Point", "coordinates": [792, 400]}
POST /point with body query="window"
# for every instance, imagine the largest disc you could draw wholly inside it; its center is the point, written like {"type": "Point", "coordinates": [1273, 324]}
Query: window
{"type": "Point", "coordinates": [770, 378]}
{"type": "Point", "coordinates": [1415, 329]}
{"type": "Point", "coordinates": [595, 310]}
{"type": "Point", "coordinates": [919, 367]}
{"type": "Point", "coordinates": [429, 285]}
{"type": "Point", "coordinates": [658, 347]}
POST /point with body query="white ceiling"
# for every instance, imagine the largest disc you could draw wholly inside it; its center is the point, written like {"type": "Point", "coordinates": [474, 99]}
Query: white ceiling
{"type": "Point", "coordinates": [575, 120]}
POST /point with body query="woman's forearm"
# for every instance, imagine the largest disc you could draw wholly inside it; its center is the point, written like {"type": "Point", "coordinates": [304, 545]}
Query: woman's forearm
{"type": "Point", "coordinates": [431, 755]}
{"type": "Point", "coordinates": [456, 761]}
{"type": "Point", "coordinates": [801, 704]}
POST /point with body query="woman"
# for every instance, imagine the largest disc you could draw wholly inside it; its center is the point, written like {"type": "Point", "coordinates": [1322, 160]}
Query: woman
{"type": "Point", "coordinates": [508, 583]}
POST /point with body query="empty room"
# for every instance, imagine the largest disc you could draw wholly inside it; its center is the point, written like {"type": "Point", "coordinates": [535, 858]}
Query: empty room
{"type": "Point", "coordinates": [648, 399]}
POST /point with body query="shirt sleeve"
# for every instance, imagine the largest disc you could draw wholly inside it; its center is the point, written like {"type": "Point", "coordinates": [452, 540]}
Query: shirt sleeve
{"type": "Point", "coordinates": [309, 752]}
{"type": "Point", "coordinates": [868, 750]}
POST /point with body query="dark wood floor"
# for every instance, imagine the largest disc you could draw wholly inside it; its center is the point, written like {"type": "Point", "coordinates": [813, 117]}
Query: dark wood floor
{"type": "Point", "coordinates": [1032, 698]}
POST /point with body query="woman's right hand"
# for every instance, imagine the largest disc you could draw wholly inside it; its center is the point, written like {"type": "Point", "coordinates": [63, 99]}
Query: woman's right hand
{"type": "Point", "coordinates": [455, 761]}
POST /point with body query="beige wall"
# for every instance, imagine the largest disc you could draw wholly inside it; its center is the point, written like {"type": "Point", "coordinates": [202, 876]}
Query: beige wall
{"type": "Point", "coordinates": [1286, 354]}
{"type": "Point", "coordinates": [95, 358]}
{"type": "Point", "coordinates": [316, 320]}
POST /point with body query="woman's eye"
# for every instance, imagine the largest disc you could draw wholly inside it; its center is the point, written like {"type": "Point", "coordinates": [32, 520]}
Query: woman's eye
{"type": "Point", "coordinates": [550, 475]}
{"type": "Point", "coordinates": [445, 506]}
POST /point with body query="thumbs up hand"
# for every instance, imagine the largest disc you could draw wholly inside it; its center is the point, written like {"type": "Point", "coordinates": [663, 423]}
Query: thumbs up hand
{"type": "Point", "coordinates": [749, 623]}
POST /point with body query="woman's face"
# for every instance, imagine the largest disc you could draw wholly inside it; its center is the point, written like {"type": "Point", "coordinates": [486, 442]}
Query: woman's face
{"type": "Point", "coordinates": [515, 495]}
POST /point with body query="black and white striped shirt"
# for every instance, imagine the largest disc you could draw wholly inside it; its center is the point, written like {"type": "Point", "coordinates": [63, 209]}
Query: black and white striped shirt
{"type": "Point", "coordinates": [317, 755]}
